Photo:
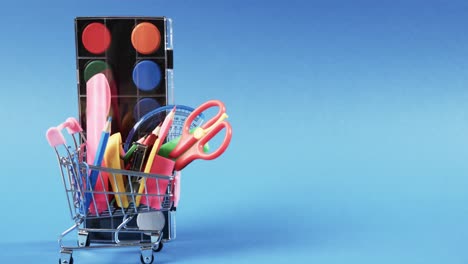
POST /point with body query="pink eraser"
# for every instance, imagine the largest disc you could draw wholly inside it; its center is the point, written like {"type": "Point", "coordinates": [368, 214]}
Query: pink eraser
{"type": "Point", "coordinates": [164, 167]}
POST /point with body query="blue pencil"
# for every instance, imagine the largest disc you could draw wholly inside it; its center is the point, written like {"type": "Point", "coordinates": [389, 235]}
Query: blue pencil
{"type": "Point", "coordinates": [97, 161]}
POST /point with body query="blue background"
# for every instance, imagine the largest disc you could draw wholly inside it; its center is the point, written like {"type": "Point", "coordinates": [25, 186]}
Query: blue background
{"type": "Point", "coordinates": [350, 129]}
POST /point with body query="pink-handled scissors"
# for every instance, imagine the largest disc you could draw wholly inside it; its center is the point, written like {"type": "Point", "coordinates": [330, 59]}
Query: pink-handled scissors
{"type": "Point", "coordinates": [190, 146]}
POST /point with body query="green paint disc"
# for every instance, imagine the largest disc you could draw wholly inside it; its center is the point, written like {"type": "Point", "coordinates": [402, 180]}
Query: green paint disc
{"type": "Point", "coordinates": [93, 68]}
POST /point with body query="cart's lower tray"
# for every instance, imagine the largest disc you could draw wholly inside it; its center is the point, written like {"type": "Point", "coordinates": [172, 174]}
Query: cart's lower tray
{"type": "Point", "coordinates": [169, 231]}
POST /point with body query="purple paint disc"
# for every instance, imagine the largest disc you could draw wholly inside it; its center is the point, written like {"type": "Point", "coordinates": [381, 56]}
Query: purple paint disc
{"type": "Point", "coordinates": [143, 107]}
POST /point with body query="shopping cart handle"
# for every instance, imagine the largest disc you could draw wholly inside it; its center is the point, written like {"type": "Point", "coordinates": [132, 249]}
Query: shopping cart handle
{"type": "Point", "coordinates": [54, 135]}
{"type": "Point", "coordinates": [72, 125]}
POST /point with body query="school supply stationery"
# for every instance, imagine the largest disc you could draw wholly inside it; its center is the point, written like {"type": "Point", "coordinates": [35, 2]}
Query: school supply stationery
{"type": "Point", "coordinates": [167, 147]}
{"type": "Point", "coordinates": [190, 146]}
{"type": "Point", "coordinates": [157, 165]}
{"type": "Point", "coordinates": [135, 162]}
{"type": "Point", "coordinates": [151, 138]}
{"type": "Point", "coordinates": [112, 160]}
{"type": "Point", "coordinates": [136, 55]}
{"type": "Point", "coordinates": [93, 177]}
{"type": "Point", "coordinates": [97, 110]}
{"type": "Point", "coordinates": [148, 122]}
{"type": "Point", "coordinates": [139, 156]}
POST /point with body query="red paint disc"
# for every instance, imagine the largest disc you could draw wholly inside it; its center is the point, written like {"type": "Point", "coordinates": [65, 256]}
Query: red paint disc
{"type": "Point", "coordinates": [96, 38]}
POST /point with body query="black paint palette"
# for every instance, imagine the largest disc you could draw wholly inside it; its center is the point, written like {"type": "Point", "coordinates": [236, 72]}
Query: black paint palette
{"type": "Point", "coordinates": [136, 56]}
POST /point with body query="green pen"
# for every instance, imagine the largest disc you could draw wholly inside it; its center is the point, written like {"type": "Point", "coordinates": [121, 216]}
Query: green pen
{"type": "Point", "coordinates": [130, 151]}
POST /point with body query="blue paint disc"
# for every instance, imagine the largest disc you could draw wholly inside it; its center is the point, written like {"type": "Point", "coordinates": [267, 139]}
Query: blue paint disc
{"type": "Point", "coordinates": [146, 75]}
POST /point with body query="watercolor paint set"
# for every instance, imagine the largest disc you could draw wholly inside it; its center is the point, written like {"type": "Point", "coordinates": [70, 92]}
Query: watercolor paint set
{"type": "Point", "coordinates": [136, 56]}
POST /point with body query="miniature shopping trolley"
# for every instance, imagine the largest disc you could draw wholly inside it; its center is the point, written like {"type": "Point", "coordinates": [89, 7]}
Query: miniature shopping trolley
{"type": "Point", "coordinates": [104, 203]}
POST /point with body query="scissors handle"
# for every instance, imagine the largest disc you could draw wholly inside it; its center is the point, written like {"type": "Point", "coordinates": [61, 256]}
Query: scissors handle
{"type": "Point", "coordinates": [187, 139]}
{"type": "Point", "coordinates": [197, 152]}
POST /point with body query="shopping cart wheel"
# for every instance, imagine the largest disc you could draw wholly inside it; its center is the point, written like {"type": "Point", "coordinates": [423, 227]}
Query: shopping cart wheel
{"type": "Point", "coordinates": [159, 247]}
{"type": "Point", "coordinates": [66, 262]}
{"type": "Point", "coordinates": [66, 257]}
{"type": "Point", "coordinates": [146, 259]}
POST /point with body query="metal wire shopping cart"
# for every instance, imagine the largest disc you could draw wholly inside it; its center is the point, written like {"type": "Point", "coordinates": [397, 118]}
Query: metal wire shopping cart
{"type": "Point", "coordinates": [74, 172]}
